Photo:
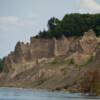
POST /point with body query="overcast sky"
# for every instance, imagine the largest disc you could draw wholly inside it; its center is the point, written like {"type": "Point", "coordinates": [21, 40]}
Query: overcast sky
{"type": "Point", "coordinates": [20, 19]}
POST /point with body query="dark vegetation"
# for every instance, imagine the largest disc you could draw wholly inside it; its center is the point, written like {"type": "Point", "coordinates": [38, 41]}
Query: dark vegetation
{"type": "Point", "coordinates": [71, 25]}
{"type": "Point", "coordinates": [1, 64]}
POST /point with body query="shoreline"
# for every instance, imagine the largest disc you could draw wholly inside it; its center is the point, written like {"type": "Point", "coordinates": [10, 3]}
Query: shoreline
{"type": "Point", "coordinates": [49, 90]}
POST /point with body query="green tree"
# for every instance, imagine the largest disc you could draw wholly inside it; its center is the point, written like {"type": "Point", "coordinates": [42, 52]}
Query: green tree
{"type": "Point", "coordinates": [52, 23]}
{"type": "Point", "coordinates": [1, 64]}
{"type": "Point", "coordinates": [71, 25]}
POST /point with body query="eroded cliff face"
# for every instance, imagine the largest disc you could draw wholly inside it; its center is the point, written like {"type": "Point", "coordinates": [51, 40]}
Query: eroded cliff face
{"type": "Point", "coordinates": [89, 42]}
{"type": "Point", "coordinates": [26, 56]}
{"type": "Point", "coordinates": [66, 63]}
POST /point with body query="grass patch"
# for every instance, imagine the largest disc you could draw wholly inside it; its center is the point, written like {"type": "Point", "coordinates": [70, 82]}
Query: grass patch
{"type": "Point", "coordinates": [69, 61]}
{"type": "Point", "coordinates": [57, 61]}
{"type": "Point", "coordinates": [64, 71]}
{"type": "Point", "coordinates": [62, 61]}
{"type": "Point", "coordinates": [96, 88]}
{"type": "Point", "coordinates": [89, 60]}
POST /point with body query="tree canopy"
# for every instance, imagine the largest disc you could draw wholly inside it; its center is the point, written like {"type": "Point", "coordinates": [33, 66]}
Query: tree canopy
{"type": "Point", "coordinates": [71, 25]}
{"type": "Point", "coordinates": [1, 64]}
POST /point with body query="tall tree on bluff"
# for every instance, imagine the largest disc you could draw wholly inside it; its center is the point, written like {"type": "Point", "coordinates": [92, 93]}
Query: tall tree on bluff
{"type": "Point", "coordinates": [72, 25]}
{"type": "Point", "coordinates": [52, 23]}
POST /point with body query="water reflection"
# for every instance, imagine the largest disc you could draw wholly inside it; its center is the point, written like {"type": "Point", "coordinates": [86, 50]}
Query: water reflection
{"type": "Point", "coordinates": [26, 94]}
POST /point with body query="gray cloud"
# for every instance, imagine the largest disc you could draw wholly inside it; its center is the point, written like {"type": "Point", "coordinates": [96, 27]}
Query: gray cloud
{"type": "Point", "coordinates": [89, 6]}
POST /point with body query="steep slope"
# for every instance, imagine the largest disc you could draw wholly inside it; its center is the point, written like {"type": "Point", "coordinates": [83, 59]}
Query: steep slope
{"type": "Point", "coordinates": [71, 64]}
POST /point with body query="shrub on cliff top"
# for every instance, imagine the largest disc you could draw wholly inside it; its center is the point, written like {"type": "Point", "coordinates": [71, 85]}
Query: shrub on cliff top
{"type": "Point", "coordinates": [71, 25]}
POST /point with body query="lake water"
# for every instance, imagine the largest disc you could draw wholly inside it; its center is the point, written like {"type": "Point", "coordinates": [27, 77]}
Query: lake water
{"type": "Point", "coordinates": [28, 94]}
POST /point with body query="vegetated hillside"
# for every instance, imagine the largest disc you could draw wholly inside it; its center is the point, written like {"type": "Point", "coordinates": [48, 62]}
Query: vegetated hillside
{"type": "Point", "coordinates": [70, 64]}
{"type": "Point", "coordinates": [71, 25]}
{"type": "Point", "coordinates": [1, 64]}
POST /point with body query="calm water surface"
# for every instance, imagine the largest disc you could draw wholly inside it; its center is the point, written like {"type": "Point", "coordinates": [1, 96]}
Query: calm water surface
{"type": "Point", "coordinates": [27, 94]}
